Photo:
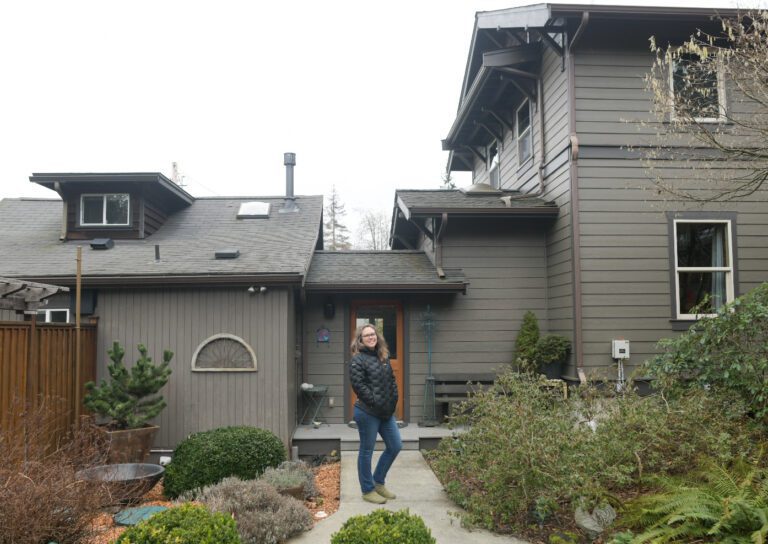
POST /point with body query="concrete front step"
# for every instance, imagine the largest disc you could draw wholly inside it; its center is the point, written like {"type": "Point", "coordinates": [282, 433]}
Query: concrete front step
{"type": "Point", "coordinates": [354, 445]}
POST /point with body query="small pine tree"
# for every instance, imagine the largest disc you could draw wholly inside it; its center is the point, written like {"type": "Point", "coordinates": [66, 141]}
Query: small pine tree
{"type": "Point", "coordinates": [129, 397]}
{"type": "Point", "coordinates": [525, 344]}
{"type": "Point", "coordinates": [336, 233]}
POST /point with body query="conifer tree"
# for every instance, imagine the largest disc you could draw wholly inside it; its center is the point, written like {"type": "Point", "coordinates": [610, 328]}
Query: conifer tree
{"type": "Point", "coordinates": [336, 235]}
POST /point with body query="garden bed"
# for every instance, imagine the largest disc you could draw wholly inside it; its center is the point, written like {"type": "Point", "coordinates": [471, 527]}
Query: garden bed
{"type": "Point", "coordinates": [327, 481]}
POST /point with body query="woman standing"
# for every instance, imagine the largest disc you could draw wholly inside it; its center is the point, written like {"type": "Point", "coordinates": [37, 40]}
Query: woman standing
{"type": "Point", "coordinates": [374, 384]}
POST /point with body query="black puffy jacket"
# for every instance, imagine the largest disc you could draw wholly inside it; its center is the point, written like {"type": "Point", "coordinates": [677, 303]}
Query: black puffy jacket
{"type": "Point", "coordinates": [374, 384]}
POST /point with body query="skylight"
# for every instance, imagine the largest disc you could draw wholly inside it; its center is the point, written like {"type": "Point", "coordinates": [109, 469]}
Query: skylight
{"type": "Point", "coordinates": [253, 209]}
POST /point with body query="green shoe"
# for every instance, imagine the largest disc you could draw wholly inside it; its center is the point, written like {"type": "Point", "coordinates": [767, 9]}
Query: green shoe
{"type": "Point", "coordinates": [384, 492]}
{"type": "Point", "coordinates": [374, 497]}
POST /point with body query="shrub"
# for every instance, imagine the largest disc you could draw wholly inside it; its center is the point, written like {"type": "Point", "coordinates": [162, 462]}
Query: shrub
{"type": "Point", "coordinates": [727, 353]}
{"type": "Point", "coordinates": [717, 505]}
{"type": "Point", "coordinates": [528, 448]}
{"type": "Point", "coordinates": [292, 474]}
{"type": "Point", "coordinates": [384, 527]}
{"type": "Point", "coordinates": [551, 349]}
{"type": "Point", "coordinates": [207, 457]}
{"type": "Point", "coordinates": [263, 515]}
{"type": "Point", "coordinates": [127, 399]}
{"type": "Point", "coordinates": [41, 498]}
{"type": "Point", "coordinates": [525, 343]}
{"type": "Point", "coordinates": [187, 524]}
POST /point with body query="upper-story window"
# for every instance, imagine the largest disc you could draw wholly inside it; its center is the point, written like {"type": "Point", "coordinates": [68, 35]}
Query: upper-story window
{"type": "Point", "coordinates": [703, 266]}
{"type": "Point", "coordinates": [493, 164]}
{"type": "Point", "coordinates": [698, 89]}
{"type": "Point", "coordinates": [524, 134]}
{"type": "Point", "coordinates": [53, 316]}
{"type": "Point", "coordinates": [104, 209]}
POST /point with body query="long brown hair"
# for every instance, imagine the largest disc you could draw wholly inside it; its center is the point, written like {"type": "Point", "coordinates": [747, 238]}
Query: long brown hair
{"type": "Point", "coordinates": [382, 350]}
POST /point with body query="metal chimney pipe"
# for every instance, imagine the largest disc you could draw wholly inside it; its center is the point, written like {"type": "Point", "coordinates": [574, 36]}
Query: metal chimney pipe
{"type": "Point", "coordinates": [289, 160]}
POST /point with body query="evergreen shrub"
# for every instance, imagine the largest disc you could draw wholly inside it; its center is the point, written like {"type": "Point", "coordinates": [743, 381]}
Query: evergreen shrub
{"type": "Point", "coordinates": [384, 527]}
{"type": "Point", "coordinates": [186, 524]}
{"type": "Point", "coordinates": [207, 457]}
{"type": "Point", "coordinates": [292, 474]}
{"type": "Point", "coordinates": [263, 515]}
{"type": "Point", "coordinates": [525, 343]}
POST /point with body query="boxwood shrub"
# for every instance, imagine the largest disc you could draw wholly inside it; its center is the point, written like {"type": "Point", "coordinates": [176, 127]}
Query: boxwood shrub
{"type": "Point", "coordinates": [384, 527]}
{"type": "Point", "coordinates": [207, 457]}
{"type": "Point", "coordinates": [187, 524]}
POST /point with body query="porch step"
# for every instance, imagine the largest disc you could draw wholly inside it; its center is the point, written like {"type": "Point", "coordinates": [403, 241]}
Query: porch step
{"type": "Point", "coordinates": [354, 445]}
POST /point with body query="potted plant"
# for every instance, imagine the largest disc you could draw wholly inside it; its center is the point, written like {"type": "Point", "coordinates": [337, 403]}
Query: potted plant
{"type": "Point", "coordinates": [550, 355]}
{"type": "Point", "coordinates": [128, 401]}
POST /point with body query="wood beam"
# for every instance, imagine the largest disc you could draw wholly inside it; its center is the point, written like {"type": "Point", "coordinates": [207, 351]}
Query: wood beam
{"type": "Point", "coordinates": [493, 133]}
{"type": "Point", "coordinates": [499, 119]}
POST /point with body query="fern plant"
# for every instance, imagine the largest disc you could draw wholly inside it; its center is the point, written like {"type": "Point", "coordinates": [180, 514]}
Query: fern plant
{"type": "Point", "coordinates": [718, 505]}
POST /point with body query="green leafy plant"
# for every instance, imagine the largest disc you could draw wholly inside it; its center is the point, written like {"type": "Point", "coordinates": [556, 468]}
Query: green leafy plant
{"type": "Point", "coordinates": [384, 527]}
{"type": "Point", "coordinates": [130, 397]}
{"type": "Point", "coordinates": [186, 524]}
{"type": "Point", "coordinates": [292, 474]}
{"type": "Point", "coordinates": [727, 353]}
{"type": "Point", "coordinates": [207, 457]}
{"type": "Point", "coordinates": [551, 349]}
{"type": "Point", "coordinates": [263, 515]}
{"type": "Point", "coordinates": [717, 505]}
{"type": "Point", "coordinates": [525, 343]}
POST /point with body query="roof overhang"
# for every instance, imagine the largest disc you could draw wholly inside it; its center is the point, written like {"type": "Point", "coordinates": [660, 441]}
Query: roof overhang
{"type": "Point", "coordinates": [373, 288]}
{"type": "Point", "coordinates": [415, 212]}
{"type": "Point", "coordinates": [150, 280]}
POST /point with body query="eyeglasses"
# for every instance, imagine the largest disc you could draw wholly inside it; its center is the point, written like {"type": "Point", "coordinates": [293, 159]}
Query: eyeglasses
{"type": "Point", "coordinates": [370, 335]}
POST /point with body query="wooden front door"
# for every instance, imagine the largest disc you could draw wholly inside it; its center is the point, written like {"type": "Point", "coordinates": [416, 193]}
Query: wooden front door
{"type": "Point", "coordinates": [387, 317]}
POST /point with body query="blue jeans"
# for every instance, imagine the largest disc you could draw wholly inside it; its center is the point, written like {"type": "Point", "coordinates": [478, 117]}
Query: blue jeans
{"type": "Point", "coordinates": [369, 426]}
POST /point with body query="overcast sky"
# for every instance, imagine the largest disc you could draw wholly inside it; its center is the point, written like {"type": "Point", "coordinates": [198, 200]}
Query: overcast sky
{"type": "Point", "coordinates": [361, 91]}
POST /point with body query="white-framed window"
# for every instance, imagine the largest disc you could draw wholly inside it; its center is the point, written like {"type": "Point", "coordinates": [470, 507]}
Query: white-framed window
{"type": "Point", "coordinates": [105, 209]}
{"type": "Point", "coordinates": [523, 132]}
{"type": "Point", "coordinates": [698, 86]}
{"type": "Point", "coordinates": [53, 316]}
{"type": "Point", "coordinates": [224, 352]}
{"type": "Point", "coordinates": [703, 255]}
{"type": "Point", "coordinates": [492, 153]}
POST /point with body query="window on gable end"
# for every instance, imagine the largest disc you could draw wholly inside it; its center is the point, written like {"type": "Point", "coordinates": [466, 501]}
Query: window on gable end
{"type": "Point", "coordinates": [703, 266]}
{"type": "Point", "coordinates": [697, 88]}
{"type": "Point", "coordinates": [493, 164]}
{"type": "Point", "coordinates": [105, 209]}
{"type": "Point", "coordinates": [523, 132]}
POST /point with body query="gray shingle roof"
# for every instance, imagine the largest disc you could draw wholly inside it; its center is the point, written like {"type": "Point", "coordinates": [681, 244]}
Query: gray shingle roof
{"type": "Point", "coordinates": [456, 201]}
{"type": "Point", "coordinates": [379, 270]}
{"type": "Point", "coordinates": [280, 245]}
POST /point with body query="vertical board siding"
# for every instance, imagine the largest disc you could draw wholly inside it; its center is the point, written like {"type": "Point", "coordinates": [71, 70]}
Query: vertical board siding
{"type": "Point", "coordinates": [180, 320]}
{"type": "Point", "coordinates": [38, 365]}
{"type": "Point", "coordinates": [327, 361]}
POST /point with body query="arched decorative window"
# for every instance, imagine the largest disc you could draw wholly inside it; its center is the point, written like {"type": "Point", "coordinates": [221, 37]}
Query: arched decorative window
{"type": "Point", "coordinates": [224, 353]}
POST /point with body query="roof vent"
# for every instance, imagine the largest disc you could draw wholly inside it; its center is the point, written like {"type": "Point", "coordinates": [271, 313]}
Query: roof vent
{"type": "Point", "coordinates": [253, 209]}
{"type": "Point", "coordinates": [227, 254]}
{"type": "Point", "coordinates": [102, 243]}
{"type": "Point", "coordinates": [480, 189]}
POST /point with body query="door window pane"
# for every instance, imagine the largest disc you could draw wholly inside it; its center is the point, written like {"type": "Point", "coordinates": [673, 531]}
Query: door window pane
{"type": "Point", "coordinates": [384, 318]}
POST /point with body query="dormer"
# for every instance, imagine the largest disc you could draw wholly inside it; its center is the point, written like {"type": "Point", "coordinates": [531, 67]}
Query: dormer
{"type": "Point", "coordinates": [114, 205]}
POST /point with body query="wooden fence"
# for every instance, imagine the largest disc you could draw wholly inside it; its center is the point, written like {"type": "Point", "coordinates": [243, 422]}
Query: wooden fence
{"type": "Point", "coordinates": [37, 364]}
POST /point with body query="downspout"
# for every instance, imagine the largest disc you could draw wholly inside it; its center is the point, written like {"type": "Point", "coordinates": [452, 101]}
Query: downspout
{"type": "Point", "coordinates": [439, 246]}
{"type": "Point", "coordinates": [578, 337]}
{"type": "Point", "coordinates": [57, 188]}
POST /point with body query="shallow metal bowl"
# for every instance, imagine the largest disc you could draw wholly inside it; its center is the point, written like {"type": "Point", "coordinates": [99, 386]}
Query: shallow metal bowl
{"type": "Point", "coordinates": [126, 482]}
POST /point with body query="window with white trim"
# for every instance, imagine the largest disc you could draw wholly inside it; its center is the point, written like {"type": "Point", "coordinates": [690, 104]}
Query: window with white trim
{"type": "Point", "coordinates": [493, 164]}
{"type": "Point", "coordinates": [105, 209]}
{"type": "Point", "coordinates": [523, 132]}
{"type": "Point", "coordinates": [698, 87]}
{"type": "Point", "coordinates": [53, 316]}
{"type": "Point", "coordinates": [703, 266]}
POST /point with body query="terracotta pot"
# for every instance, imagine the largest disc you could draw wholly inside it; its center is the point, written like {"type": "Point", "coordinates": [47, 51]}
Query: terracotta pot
{"type": "Point", "coordinates": [130, 445]}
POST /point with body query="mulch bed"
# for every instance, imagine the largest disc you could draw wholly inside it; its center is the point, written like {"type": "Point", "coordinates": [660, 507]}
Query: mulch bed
{"type": "Point", "coordinates": [327, 480]}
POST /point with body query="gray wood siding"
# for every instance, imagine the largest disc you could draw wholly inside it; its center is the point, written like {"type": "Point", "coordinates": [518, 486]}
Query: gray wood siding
{"type": "Point", "coordinates": [625, 256]}
{"type": "Point", "coordinates": [180, 320]}
{"type": "Point", "coordinates": [327, 361]}
{"type": "Point", "coordinates": [506, 267]}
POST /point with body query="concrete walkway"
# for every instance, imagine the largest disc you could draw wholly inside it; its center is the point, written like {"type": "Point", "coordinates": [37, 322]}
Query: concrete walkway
{"type": "Point", "coordinates": [417, 488]}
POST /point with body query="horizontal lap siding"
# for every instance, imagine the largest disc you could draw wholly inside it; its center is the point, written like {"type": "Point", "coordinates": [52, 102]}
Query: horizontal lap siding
{"type": "Point", "coordinates": [505, 265]}
{"type": "Point", "coordinates": [625, 260]}
{"type": "Point", "coordinates": [180, 320]}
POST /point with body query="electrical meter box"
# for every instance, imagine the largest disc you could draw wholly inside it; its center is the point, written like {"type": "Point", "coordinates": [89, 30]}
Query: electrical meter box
{"type": "Point", "coordinates": [620, 349]}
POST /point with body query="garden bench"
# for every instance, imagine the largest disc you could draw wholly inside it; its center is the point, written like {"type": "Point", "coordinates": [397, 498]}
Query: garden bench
{"type": "Point", "coordinates": [455, 387]}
